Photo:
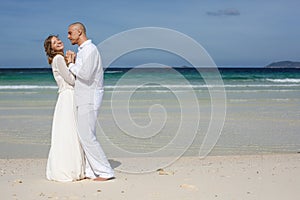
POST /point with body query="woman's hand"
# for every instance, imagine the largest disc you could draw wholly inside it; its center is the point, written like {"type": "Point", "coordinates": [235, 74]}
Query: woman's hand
{"type": "Point", "coordinates": [70, 57]}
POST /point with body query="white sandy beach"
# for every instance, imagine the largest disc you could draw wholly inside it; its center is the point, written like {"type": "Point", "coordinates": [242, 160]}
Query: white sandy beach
{"type": "Point", "coordinates": [268, 176]}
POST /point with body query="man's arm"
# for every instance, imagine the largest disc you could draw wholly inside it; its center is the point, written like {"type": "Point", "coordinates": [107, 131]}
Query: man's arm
{"type": "Point", "coordinates": [86, 65]}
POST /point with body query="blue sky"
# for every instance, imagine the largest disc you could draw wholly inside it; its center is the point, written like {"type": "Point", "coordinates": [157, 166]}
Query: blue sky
{"type": "Point", "coordinates": [233, 32]}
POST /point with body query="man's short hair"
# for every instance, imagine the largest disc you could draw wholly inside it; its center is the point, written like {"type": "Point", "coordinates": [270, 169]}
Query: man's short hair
{"type": "Point", "coordinates": [80, 25]}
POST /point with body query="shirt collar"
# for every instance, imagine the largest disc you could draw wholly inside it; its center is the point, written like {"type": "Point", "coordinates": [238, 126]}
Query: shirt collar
{"type": "Point", "coordinates": [84, 44]}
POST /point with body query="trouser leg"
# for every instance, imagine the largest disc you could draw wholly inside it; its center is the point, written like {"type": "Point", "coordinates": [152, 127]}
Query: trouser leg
{"type": "Point", "coordinates": [96, 161]}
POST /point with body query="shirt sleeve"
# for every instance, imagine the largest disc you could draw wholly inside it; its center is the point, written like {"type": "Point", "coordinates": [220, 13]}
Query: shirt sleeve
{"type": "Point", "coordinates": [64, 72]}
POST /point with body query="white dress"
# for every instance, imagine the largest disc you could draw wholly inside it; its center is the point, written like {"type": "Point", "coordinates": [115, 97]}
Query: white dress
{"type": "Point", "coordinates": [66, 158]}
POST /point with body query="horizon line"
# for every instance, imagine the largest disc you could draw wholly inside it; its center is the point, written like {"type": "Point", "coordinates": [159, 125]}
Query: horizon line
{"type": "Point", "coordinates": [220, 66]}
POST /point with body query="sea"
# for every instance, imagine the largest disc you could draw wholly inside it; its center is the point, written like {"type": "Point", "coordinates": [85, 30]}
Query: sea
{"type": "Point", "coordinates": [244, 77]}
{"type": "Point", "coordinates": [253, 110]}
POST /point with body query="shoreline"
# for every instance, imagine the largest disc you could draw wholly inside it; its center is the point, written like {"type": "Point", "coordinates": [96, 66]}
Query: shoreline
{"type": "Point", "coordinates": [12, 150]}
{"type": "Point", "coordinates": [272, 176]}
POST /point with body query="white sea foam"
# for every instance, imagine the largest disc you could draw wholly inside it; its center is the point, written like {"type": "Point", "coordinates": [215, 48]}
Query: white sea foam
{"type": "Point", "coordinates": [113, 72]}
{"type": "Point", "coordinates": [284, 80]}
{"type": "Point", "coordinates": [18, 87]}
{"type": "Point", "coordinates": [200, 86]}
{"type": "Point", "coordinates": [285, 99]}
{"type": "Point", "coordinates": [160, 87]}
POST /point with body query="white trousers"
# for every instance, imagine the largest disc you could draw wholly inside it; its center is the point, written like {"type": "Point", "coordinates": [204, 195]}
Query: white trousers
{"type": "Point", "coordinates": [97, 164]}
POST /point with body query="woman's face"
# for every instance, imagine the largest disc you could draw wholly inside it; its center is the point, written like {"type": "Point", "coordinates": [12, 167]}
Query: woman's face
{"type": "Point", "coordinates": [56, 44]}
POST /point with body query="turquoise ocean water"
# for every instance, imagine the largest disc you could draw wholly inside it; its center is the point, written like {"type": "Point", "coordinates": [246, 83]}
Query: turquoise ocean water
{"type": "Point", "coordinates": [263, 106]}
{"type": "Point", "coordinates": [265, 82]}
{"type": "Point", "coordinates": [232, 77]}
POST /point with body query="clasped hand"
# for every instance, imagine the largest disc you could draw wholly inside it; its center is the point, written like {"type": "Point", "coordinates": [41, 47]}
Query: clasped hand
{"type": "Point", "coordinates": [70, 56]}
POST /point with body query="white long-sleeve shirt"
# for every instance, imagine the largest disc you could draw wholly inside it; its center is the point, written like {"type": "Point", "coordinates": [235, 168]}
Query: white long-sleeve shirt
{"type": "Point", "coordinates": [89, 74]}
{"type": "Point", "coordinates": [64, 79]}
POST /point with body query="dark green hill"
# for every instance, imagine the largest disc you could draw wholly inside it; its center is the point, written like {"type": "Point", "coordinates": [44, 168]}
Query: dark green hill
{"type": "Point", "coordinates": [284, 64]}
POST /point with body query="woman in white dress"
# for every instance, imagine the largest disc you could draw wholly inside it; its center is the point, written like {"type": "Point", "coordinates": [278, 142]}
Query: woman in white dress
{"type": "Point", "coordinates": [66, 159]}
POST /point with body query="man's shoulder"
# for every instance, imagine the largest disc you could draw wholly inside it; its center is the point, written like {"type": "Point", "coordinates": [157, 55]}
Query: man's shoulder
{"type": "Point", "coordinates": [87, 44]}
{"type": "Point", "coordinates": [91, 47]}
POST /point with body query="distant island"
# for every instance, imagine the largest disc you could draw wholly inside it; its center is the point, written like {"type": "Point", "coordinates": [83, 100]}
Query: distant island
{"type": "Point", "coordinates": [284, 64]}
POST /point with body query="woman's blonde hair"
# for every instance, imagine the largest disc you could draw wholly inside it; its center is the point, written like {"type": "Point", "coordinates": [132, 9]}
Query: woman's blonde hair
{"type": "Point", "coordinates": [48, 49]}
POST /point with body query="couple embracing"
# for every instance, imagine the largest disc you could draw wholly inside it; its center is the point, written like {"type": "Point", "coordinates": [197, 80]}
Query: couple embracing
{"type": "Point", "coordinates": [75, 152]}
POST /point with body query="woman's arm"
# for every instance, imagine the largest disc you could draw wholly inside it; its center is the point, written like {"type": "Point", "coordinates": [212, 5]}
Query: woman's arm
{"type": "Point", "coordinates": [64, 71]}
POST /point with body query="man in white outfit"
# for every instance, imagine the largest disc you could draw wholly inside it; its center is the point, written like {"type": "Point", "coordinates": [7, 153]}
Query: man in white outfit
{"type": "Point", "coordinates": [88, 96]}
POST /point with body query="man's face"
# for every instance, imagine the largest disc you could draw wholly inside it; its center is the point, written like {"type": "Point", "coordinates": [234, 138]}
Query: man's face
{"type": "Point", "coordinates": [73, 35]}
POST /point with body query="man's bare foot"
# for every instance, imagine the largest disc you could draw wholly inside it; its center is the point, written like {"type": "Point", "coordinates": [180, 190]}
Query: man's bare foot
{"type": "Point", "coordinates": [102, 179]}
